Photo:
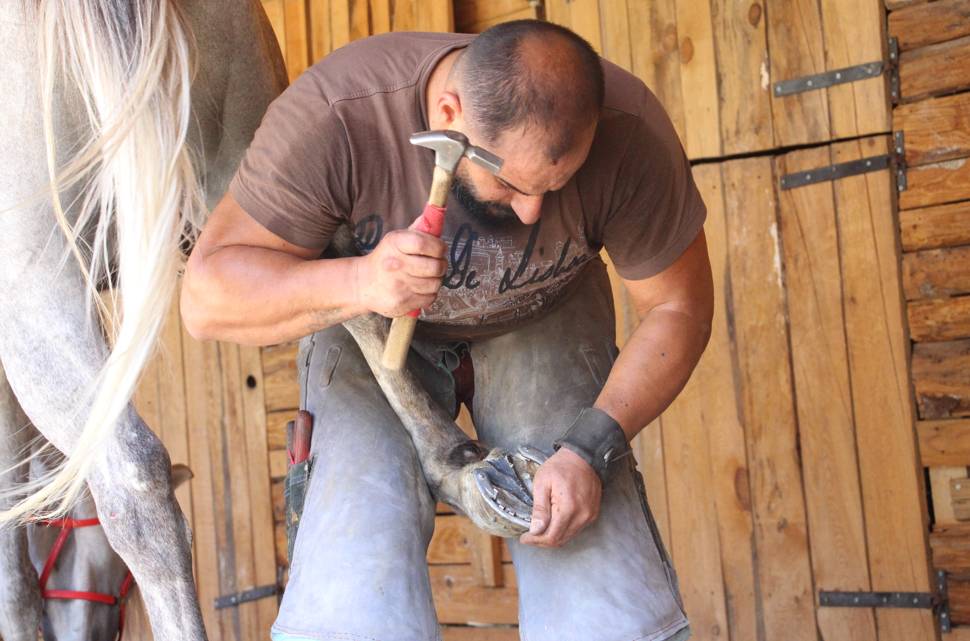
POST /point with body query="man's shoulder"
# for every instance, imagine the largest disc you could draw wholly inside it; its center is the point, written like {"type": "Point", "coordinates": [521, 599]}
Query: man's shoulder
{"type": "Point", "coordinates": [379, 64]}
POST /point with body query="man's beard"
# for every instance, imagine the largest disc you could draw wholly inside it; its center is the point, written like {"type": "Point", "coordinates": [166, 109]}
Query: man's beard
{"type": "Point", "coordinates": [483, 211]}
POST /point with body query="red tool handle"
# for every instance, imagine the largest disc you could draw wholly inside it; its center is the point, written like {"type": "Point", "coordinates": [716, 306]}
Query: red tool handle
{"type": "Point", "coordinates": [302, 435]}
{"type": "Point", "coordinates": [431, 221]}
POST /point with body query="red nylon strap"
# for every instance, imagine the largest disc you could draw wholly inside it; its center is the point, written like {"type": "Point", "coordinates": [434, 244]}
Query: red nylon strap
{"type": "Point", "coordinates": [431, 221]}
{"type": "Point", "coordinates": [67, 525]}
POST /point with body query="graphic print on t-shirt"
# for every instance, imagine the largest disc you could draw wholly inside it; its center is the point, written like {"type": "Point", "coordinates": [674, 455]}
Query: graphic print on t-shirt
{"type": "Point", "coordinates": [488, 278]}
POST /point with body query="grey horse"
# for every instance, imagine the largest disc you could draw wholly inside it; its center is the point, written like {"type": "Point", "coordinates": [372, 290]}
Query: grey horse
{"type": "Point", "coordinates": [125, 157]}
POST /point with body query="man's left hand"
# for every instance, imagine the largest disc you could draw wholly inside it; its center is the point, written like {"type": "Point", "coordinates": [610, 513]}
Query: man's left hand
{"type": "Point", "coordinates": [567, 495]}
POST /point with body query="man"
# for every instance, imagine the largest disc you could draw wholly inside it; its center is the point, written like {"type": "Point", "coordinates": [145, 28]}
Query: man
{"type": "Point", "coordinates": [515, 288]}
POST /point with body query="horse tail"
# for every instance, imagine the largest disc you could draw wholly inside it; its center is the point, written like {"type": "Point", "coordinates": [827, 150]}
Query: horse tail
{"type": "Point", "coordinates": [131, 63]}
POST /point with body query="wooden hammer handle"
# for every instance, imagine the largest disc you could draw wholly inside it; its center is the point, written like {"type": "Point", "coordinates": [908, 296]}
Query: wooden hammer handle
{"type": "Point", "coordinates": [431, 221]}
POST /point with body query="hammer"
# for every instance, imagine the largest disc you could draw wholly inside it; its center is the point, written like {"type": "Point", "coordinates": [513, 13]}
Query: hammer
{"type": "Point", "coordinates": [449, 147]}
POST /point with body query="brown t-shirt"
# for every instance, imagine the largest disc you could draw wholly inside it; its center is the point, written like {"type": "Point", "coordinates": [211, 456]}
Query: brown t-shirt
{"type": "Point", "coordinates": [334, 148]}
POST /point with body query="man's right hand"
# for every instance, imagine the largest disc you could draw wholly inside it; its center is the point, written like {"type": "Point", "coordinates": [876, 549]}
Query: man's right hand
{"type": "Point", "coordinates": [402, 273]}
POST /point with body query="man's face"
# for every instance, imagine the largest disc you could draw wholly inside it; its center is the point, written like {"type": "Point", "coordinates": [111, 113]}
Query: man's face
{"type": "Point", "coordinates": [527, 174]}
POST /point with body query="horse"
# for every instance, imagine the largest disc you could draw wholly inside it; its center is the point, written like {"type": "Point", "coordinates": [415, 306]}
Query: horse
{"type": "Point", "coordinates": [122, 122]}
{"type": "Point", "coordinates": [121, 126]}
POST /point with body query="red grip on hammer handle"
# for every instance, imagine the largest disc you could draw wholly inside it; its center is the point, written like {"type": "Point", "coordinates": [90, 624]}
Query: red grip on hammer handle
{"type": "Point", "coordinates": [302, 434]}
{"type": "Point", "coordinates": [431, 221]}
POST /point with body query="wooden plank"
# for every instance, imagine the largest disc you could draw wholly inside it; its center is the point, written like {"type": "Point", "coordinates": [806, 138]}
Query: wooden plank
{"type": "Point", "coordinates": [931, 227]}
{"type": "Point", "coordinates": [892, 488]}
{"type": "Point", "coordinates": [234, 452]}
{"type": "Point", "coordinates": [656, 58]}
{"type": "Point", "coordinates": [940, 477]}
{"type": "Point", "coordinates": [209, 518]}
{"type": "Point", "coordinates": [278, 462]}
{"type": "Point", "coordinates": [277, 500]}
{"type": "Point", "coordinates": [469, 12]}
{"type": "Point", "coordinates": [900, 4]}
{"type": "Point", "coordinates": [435, 15]}
{"type": "Point", "coordinates": [279, 377]}
{"type": "Point", "coordinates": [960, 497]}
{"type": "Point", "coordinates": [944, 443]}
{"type": "Point", "coordinates": [459, 598]}
{"type": "Point", "coordinates": [855, 34]}
{"type": "Point", "coordinates": [380, 16]}
{"type": "Point", "coordinates": [297, 38]}
{"type": "Point", "coordinates": [403, 16]}
{"type": "Point", "coordinates": [742, 75]}
{"type": "Point", "coordinates": [951, 548]}
{"type": "Point", "coordinates": [939, 319]}
{"type": "Point", "coordinates": [797, 49]}
{"type": "Point", "coordinates": [480, 633]}
{"type": "Point", "coordinates": [453, 539]}
{"type": "Point", "coordinates": [935, 273]}
{"type": "Point", "coordinates": [649, 452]}
{"type": "Point", "coordinates": [171, 392]}
{"type": "Point", "coordinates": [931, 23]}
{"type": "Point", "coordinates": [616, 33]}
{"type": "Point", "coordinates": [698, 78]}
{"type": "Point", "coordinates": [279, 536]}
{"type": "Point", "coordinates": [729, 464]}
{"type": "Point", "coordinates": [321, 42]}
{"type": "Point", "coordinates": [765, 400]}
{"type": "Point", "coordinates": [937, 183]}
{"type": "Point", "coordinates": [934, 70]}
{"type": "Point", "coordinates": [582, 16]}
{"type": "Point", "coordinates": [258, 470]}
{"type": "Point", "coordinates": [529, 13]}
{"type": "Point", "coordinates": [487, 559]}
{"type": "Point", "coordinates": [276, 13]}
{"type": "Point", "coordinates": [935, 129]}
{"type": "Point", "coordinates": [958, 592]}
{"type": "Point", "coordinates": [276, 427]}
{"type": "Point", "coordinates": [821, 375]}
{"type": "Point", "coordinates": [941, 377]}
{"type": "Point", "coordinates": [340, 27]}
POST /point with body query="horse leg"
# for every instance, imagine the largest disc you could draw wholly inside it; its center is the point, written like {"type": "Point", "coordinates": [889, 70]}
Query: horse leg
{"type": "Point", "coordinates": [20, 601]}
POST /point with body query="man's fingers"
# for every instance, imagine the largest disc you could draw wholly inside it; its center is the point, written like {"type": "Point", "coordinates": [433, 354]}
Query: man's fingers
{"type": "Point", "coordinates": [541, 508]}
{"type": "Point", "coordinates": [418, 243]}
{"type": "Point", "coordinates": [425, 267]}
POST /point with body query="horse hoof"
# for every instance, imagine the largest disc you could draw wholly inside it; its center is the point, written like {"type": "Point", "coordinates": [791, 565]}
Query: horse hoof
{"type": "Point", "coordinates": [500, 500]}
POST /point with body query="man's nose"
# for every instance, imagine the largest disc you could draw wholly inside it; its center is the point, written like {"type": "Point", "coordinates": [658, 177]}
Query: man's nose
{"type": "Point", "coordinates": [527, 208]}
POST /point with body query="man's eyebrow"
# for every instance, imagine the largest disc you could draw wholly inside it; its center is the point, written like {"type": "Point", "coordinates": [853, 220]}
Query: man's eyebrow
{"type": "Point", "coordinates": [514, 188]}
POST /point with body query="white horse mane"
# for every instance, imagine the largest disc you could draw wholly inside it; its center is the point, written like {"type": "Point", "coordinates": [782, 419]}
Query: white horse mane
{"type": "Point", "coordinates": [131, 64]}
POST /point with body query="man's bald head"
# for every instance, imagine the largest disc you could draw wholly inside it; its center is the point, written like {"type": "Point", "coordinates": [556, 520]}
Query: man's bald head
{"type": "Point", "coordinates": [531, 74]}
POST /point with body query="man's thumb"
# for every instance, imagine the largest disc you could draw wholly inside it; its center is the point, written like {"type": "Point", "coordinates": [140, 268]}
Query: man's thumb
{"type": "Point", "coordinates": [540, 510]}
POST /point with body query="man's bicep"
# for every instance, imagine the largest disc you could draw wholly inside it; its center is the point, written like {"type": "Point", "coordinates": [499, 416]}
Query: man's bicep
{"type": "Point", "coordinates": [686, 285]}
{"type": "Point", "coordinates": [229, 225]}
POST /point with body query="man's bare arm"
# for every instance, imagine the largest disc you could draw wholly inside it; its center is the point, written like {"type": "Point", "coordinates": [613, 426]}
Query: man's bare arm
{"type": "Point", "coordinates": [675, 308]}
{"type": "Point", "coordinates": [247, 285]}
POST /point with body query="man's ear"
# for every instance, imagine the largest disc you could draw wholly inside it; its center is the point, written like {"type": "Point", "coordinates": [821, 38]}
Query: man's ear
{"type": "Point", "coordinates": [448, 111]}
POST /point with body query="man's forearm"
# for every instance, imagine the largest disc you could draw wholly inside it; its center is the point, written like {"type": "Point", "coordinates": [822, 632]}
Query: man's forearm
{"type": "Point", "coordinates": [652, 368]}
{"type": "Point", "coordinates": [259, 296]}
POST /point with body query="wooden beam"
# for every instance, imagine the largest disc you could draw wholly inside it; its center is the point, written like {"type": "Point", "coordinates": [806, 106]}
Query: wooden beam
{"type": "Point", "coordinates": [932, 227]}
{"type": "Point", "coordinates": [944, 443]}
{"type": "Point", "coordinates": [459, 597]}
{"type": "Point", "coordinates": [656, 58]}
{"type": "Point", "coordinates": [742, 75]}
{"type": "Point", "coordinates": [941, 377]}
{"type": "Point", "coordinates": [757, 304]}
{"type": "Point", "coordinates": [935, 129]}
{"type": "Point", "coordinates": [936, 273]}
{"type": "Point", "coordinates": [892, 480]}
{"type": "Point", "coordinates": [934, 70]}
{"type": "Point", "coordinates": [698, 78]}
{"type": "Point", "coordinates": [813, 281]}
{"type": "Point", "coordinates": [488, 633]}
{"type": "Point", "coordinates": [927, 24]}
{"type": "Point", "coordinates": [279, 377]}
{"type": "Point", "coordinates": [936, 184]}
{"type": "Point", "coordinates": [940, 319]}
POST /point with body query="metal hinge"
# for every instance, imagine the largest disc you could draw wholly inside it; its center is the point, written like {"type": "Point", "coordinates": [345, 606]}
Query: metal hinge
{"type": "Point", "coordinates": [895, 161]}
{"type": "Point", "coordinates": [846, 74]}
{"type": "Point", "coordinates": [253, 594]}
{"type": "Point", "coordinates": [938, 601]}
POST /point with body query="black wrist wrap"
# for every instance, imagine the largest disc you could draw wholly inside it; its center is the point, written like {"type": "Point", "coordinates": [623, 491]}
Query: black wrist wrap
{"type": "Point", "coordinates": [596, 438]}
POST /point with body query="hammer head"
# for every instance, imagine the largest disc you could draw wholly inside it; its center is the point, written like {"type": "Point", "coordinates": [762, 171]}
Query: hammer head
{"type": "Point", "coordinates": [450, 146]}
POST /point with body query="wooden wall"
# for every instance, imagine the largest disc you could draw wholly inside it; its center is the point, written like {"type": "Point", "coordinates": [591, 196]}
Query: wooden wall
{"type": "Point", "coordinates": [789, 465]}
{"type": "Point", "coordinates": [934, 220]}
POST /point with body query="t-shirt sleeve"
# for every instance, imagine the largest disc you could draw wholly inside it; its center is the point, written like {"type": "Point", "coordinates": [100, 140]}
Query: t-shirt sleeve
{"type": "Point", "coordinates": [295, 177]}
{"type": "Point", "coordinates": [656, 209]}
